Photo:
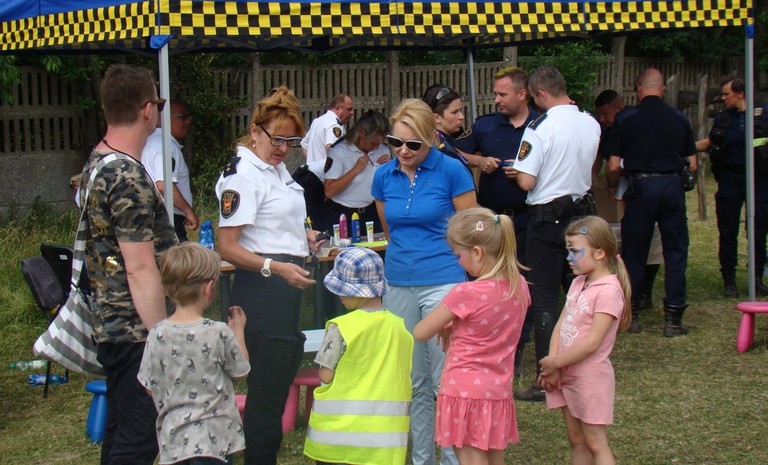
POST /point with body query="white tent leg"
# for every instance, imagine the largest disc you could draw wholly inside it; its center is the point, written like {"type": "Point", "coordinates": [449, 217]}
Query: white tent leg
{"type": "Point", "coordinates": [165, 118]}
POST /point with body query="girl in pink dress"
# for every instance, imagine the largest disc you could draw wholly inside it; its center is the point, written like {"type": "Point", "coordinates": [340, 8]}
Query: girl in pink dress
{"type": "Point", "coordinates": [577, 374]}
{"type": "Point", "coordinates": [480, 323]}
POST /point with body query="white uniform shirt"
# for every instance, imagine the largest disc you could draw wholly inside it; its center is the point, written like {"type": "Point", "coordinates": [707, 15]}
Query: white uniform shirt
{"type": "Point", "coordinates": [267, 202]}
{"type": "Point", "coordinates": [358, 192]}
{"type": "Point", "coordinates": [324, 130]}
{"type": "Point", "coordinates": [152, 159]}
{"type": "Point", "coordinates": [559, 153]}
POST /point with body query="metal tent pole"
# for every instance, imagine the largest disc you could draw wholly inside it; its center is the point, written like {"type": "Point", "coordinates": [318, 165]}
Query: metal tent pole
{"type": "Point", "coordinates": [750, 142]}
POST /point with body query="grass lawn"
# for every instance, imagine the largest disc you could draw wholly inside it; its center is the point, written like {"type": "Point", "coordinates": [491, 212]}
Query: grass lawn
{"type": "Point", "coordinates": [686, 400]}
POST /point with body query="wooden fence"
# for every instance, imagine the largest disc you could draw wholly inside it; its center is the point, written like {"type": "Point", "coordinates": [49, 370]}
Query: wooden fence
{"type": "Point", "coordinates": [42, 133]}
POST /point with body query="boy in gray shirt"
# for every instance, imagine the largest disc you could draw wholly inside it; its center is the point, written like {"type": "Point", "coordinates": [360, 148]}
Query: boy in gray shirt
{"type": "Point", "coordinates": [189, 364]}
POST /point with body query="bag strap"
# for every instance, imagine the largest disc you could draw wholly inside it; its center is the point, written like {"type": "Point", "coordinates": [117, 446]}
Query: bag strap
{"type": "Point", "coordinates": [78, 257]}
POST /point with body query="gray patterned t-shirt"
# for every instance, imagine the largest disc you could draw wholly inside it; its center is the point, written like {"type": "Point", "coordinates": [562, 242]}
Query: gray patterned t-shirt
{"type": "Point", "coordinates": [189, 369]}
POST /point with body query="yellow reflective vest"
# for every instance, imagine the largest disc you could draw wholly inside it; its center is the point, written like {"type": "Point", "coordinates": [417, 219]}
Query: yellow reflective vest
{"type": "Point", "coordinates": [362, 416]}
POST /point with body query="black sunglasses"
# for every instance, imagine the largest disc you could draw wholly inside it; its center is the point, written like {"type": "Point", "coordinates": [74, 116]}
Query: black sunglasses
{"type": "Point", "coordinates": [160, 102]}
{"type": "Point", "coordinates": [411, 144]}
{"type": "Point", "coordinates": [442, 93]}
{"type": "Point", "coordinates": [277, 141]}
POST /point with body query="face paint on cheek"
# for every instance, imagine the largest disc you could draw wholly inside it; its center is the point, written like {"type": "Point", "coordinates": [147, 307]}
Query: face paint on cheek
{"type": "Point", "coordinates": [574, 255]}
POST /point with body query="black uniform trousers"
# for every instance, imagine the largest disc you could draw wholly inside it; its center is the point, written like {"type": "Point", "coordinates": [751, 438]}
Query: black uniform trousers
{"type": "Point", "coordinates": [730, 197]}
{"type": "Point", "coordinates": [179, 225]}
{"type": "Point", "coordinates": [549, 271]}
{"type": "Point", "coordinates": [656, 199]}
{"type": "Point", "coordinates": [275, 349]}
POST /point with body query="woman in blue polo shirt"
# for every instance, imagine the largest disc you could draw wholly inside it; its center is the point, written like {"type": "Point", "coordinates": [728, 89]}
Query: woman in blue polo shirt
{"type": "Point", "coordinates": [415, 195]}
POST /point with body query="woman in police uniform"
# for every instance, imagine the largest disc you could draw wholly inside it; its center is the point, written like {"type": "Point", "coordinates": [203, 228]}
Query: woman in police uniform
{"type": "Point", "coordinates": [447, 110]}
{"type": "Point", "coordinates": [261, 232]}
{"type": "Point", "coordinates": [726, 144]}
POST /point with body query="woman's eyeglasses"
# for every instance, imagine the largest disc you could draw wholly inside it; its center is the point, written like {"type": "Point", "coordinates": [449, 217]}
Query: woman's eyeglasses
{"type": "Point", "coordinates": [277, 141]}
{"type": "Point", "coordinates": [160, 102]}
{"type": "Point", "coordinates": [411, 144]}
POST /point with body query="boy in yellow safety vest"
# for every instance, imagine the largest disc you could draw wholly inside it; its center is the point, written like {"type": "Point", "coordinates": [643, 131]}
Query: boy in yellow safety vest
{"type": "Point", "coordinates": [361, 413]}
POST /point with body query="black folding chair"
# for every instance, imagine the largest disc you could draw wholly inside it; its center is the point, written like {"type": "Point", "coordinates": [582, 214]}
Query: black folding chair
{"type": "Point", "coordinates": [47, 292]}
{"type": "Point", "coordinates": [59, 257]}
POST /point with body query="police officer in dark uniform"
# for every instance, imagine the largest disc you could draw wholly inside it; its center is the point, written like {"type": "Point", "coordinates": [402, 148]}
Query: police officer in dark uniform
{"type": "Point", "coordinates": [656, 143]}
{"type": "Point", "coordinates": [495, 139]}
{"type": "Point", "coordinates": [727, 145]}
{"type": "Point", "coordinates": [491, 143]}
{"type": "Point", "coordinates": [447, 109]}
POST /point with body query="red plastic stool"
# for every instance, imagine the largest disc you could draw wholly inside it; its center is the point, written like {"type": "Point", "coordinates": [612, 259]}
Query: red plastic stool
{"type": "Point", "coordinates": [746, 335]}
{"type": "Point", "coordinates": [307, 377]}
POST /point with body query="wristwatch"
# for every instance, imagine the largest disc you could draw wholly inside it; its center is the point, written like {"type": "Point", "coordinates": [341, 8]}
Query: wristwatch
{"type": "Point", "coordinates": [265, 271]}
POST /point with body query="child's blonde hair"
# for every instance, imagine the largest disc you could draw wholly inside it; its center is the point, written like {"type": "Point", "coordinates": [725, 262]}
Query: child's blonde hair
{"type": "Point", "coordinates": [185, 269]}
{"type": "Point", "coordinates": [495, 234]}
{"type": "Point", "coordinates": [599, 235]}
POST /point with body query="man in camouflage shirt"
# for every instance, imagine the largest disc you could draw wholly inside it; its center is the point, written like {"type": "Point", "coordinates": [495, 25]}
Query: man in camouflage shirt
{"type": "Point", "coordinates": [128, 227]}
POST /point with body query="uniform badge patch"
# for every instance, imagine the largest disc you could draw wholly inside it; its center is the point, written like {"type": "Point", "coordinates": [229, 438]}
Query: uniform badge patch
{"type": "Point", "coordinates": [758, 111]}
{"type": "Point", "coordinates": [337, 131]}
{"type": "Point", "coordinates": [230, 200]}
{"type": "Point", "coordinates": [466, 133]}
{"type": "Point", "coordinates": [525, 149]}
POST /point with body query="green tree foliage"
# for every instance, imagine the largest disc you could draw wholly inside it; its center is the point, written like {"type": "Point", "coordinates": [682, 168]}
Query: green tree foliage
{"type": "Point", "coordinates": [193, 81]}
{"type": "Point", "coordinates": [579, 63]}
{"type": "Point", "coordinates": [10, 78]}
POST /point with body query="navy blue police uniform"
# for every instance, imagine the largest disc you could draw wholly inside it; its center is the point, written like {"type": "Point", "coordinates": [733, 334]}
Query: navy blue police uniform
{"type": "Point", "coordinates": [727, 151]}
{"type": "Point", "coordinates": [654, 140]}
{"type": "Point", "coordinates": [493, 136]}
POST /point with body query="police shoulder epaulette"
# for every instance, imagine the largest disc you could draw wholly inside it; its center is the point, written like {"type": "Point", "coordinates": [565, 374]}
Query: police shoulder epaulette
{"type": "Point", "coordinates": [338, 141]}
{"type": "Point", "coordinates": [231, 167]}
{"type": "Point", "coordinates": [535, 123]}
{"type": "Point", "coordinates": [466, 133]}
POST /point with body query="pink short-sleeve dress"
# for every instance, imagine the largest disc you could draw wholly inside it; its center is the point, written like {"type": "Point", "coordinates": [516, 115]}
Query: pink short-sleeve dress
{"type": "Point", "coordinates": [474, 405]}
{"type": "Point", "coordinates": [588, 388]}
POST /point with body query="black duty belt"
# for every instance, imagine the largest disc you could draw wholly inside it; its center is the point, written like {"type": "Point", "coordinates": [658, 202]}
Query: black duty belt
{"type": "Point", "coordinates": [635, 176]}
{"type": "Point", "coordinates": [283, 257]}
{"type": "Point", "coordinates": [338, 206]}
{"type": "Point", "coordinates": [513, 212]}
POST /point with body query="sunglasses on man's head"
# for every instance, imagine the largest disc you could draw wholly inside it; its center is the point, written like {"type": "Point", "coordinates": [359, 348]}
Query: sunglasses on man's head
{"type": "Point", "coordinates": [411, 144]}
{"type": "Point", "coordinates": [160, 102]}
{"type": "Point", "coordinates": [277, 141]}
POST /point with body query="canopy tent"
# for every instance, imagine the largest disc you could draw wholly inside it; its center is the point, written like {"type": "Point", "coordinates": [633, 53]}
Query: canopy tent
{"type": "Point", "coordinates": [327, 26]}
{"type": "Point", "coordinates": [178, 26]}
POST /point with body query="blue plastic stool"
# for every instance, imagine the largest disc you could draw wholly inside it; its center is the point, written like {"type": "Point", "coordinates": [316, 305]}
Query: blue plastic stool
{"type": "Point", "coordinates": [97, 414]}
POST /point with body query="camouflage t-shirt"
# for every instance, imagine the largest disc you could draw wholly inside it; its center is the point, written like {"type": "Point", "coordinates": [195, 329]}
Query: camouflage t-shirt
{"type": "Point", "coordinates": [124, 205]}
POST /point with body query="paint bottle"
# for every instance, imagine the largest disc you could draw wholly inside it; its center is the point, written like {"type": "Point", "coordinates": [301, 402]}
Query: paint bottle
{"type": "Point", "coordinates": [355, 226]}
{"type": "Point", "coordinates": [343, 231]}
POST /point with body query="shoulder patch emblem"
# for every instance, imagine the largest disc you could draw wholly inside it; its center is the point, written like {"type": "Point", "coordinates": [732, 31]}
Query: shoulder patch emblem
{"type": "Point", "coordinates": [337, 131]}
{"type": "Point", "coordinates": [466, 133]}
{"type": "Point", "coordinates": [231, 167]}
{"type": "Point", "coordinates": [758, 111]}
{"type": "Point", "coordinates": [535, 123]}
{"type": "Point", "coordinates": [525, 149]}
{"type": "Point", "coordinates": [230, 200]}
{"type": "Point", "coordinates": [328, 164]}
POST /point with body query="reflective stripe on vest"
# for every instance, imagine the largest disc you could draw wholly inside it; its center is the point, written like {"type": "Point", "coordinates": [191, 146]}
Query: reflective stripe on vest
{"type": "Point", "coordinates": [360, 407]}
{"type": "Point", "coordinates": [375, 440]}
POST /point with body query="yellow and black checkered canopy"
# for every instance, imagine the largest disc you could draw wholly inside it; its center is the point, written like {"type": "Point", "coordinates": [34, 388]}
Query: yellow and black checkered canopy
{"type": "Point", "coordinates": [325, 26]}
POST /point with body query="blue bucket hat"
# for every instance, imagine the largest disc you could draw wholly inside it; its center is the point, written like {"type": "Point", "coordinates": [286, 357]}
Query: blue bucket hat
{"type": "Point", "coordinates": [357, 272]}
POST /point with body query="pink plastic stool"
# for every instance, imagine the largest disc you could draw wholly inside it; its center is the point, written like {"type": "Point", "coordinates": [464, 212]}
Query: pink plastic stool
{"type": "Point", "coordinates": [307, 377]}
{"type": "Point", "coordinates": [746, 335]}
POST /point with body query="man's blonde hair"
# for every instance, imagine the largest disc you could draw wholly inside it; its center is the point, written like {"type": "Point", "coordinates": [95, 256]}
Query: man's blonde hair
{"type": "Point", "coordinates": [185, 269]}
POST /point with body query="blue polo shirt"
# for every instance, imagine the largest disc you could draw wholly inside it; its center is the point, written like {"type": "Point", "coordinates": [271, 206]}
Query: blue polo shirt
{"type": "Point", "coordinates": [493, 136]}
{"type": "Point", "coordinates": [417, 216]}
